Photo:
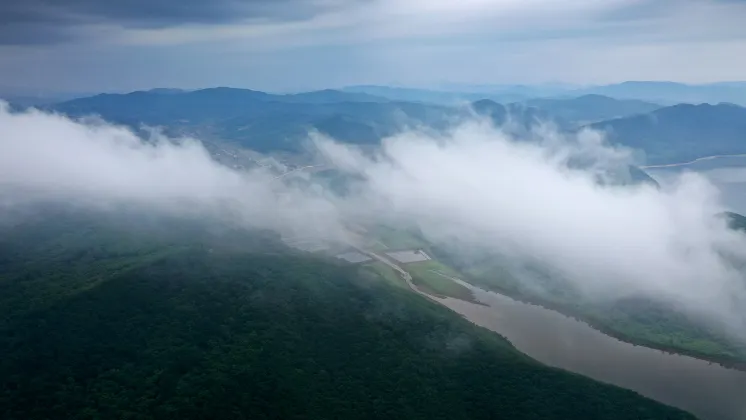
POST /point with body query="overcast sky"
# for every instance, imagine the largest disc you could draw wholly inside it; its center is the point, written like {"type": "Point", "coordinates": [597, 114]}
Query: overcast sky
{"type": "Point", "coordinates": [95, 45]}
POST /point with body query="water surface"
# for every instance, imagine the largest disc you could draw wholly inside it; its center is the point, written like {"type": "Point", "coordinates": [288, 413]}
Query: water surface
{"type": "Point", "coordinates": [705, 389]}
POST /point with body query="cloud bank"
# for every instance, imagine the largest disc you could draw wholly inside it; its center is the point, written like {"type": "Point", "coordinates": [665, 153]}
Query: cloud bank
{"type": "Point", "coordinates": [480, 189]}
{"type": "Point", "coordinates": [473, 188]}
{"type": "Point", "coordinates": [91, 163]}
{"type": "Point", "coordinates": [86, 45]}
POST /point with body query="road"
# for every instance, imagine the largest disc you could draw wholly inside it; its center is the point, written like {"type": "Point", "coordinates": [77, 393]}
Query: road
{"type": "Point", "coordinates": [671, 165]}
{"type": "Point", "coordinates": [402, 272]}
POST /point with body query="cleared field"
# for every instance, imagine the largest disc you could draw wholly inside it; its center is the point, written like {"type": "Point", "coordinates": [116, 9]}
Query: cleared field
{"type": "Point", "coordinates": [406, 257]}
{"type": "Point", "coordinates": [432, 277]}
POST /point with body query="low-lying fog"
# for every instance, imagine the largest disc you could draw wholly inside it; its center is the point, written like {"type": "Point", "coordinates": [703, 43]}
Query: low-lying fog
{"type": "Point", "coordinates": [474, 187]}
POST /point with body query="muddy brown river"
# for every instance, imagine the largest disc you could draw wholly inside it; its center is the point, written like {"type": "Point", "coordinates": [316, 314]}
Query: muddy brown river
{"type": "Point", "coordinates": [709, 391]}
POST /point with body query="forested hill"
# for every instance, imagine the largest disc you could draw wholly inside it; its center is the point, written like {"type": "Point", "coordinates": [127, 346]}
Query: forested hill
{"type": "Point", "coordinates": [103, 320]}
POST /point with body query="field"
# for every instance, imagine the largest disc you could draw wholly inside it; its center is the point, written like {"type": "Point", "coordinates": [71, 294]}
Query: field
{"type": "Point", "coordinates": [425, 275]}
{"type": "Point", "coordinates": [397, 239]}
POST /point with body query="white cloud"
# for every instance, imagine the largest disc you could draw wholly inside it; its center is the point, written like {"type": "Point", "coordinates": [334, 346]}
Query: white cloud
{"type": "Point", "coordinates": [485, 191]}
{"type": "Point", "coordinates": [474, 186]}
{"type": "Point", "coordinates": [45, 156]}
{"type": "Point", "coordinates": [411, 42]}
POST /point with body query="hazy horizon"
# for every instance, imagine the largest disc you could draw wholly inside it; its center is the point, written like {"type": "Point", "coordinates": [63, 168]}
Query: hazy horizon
{"type": "Point", "coordinates": [91, 46]}
{"type": "Point", "coordinates": [455, 87]}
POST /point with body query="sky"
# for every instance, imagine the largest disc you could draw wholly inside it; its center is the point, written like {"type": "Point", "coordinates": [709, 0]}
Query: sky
{"type": "Point", "coordinates": [287, 45]}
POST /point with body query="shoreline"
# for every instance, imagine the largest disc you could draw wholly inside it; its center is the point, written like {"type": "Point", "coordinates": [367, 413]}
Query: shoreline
{"type": "Point", "coordinates": [726, 363]}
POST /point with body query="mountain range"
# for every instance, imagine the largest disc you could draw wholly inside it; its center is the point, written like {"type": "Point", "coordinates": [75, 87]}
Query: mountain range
{"type": "Point", "coordinates": [665, 93]}
{"type": "Point", "coordinates": [681, 133]}
{"type": "Point", "coordinates": [258, 120]}
{"type": "Point", "coordinates": [269, 123]}
{"type": "Point", "coordinates": [111, 313]}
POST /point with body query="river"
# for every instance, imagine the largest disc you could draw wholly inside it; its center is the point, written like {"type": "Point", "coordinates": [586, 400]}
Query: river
{"type": "Point", "coordinates": [709, 391]}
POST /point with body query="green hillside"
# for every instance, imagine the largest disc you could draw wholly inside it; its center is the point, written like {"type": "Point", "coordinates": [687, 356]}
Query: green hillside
{"type": "Point", "coordinates": [106, 318]}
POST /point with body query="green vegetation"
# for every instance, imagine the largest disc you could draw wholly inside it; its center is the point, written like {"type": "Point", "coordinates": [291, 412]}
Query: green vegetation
{"type": "Point", "coordinates": [386, 273]}
{"type": "Point", "coordinates": [397, 239]}
{"type": "Point", "coordinates": [432, 277]}
{"type": "Point", "coordinates": [636, 320]}
{"type": "Point", "coordinates": [123, 319]}
{"type": "Point", "coordinates": [656, 325]}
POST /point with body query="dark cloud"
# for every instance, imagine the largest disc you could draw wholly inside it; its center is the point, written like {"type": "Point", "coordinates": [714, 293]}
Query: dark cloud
{"type": "Point", "coordinates": [52, 21]}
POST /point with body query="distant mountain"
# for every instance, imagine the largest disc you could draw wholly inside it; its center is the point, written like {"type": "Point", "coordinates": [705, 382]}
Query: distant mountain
{"type": "Point", "coordinates": [526, 91]}
{"type": "Point", "coordinates": [519, 119]}
{"type": "Point", "coordinates": [331, 96]}
{"type": "Point", "coordinates": [516, 118]}
{"type": "Point", "coordinates": [441, 97]}
{"type": "Point", "coordinates": [665, 93]}
{"type": "Point", "coordinates": [167, 91]}
{"type": "Point", "coordinates": [669, 93]}
{"type": "Point", "coordinates": [262, 121]}
{"type": "Point", "coordinates": [266, 122]}
{"type": "Point", "coordinates": [591, 108]}
{"type": "Point", "coordinates": [735, 221]}
{"type": "Point", "coordinates": [682, 132]}
{"type": "Point", "coordinates": [220, 99]}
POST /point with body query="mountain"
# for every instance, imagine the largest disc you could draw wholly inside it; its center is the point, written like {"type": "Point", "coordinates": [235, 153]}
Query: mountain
{"type": "Point", "coordinates": [167, 91]}
{"type": "Point", "coordinates": [735, 221]}
{"type": "Point", "coordinates": [204, 103]}
{"type": "Point", "coordinates": [666, 93]}
{"type": "Point", "coordinates": [591, 108]}
{"type": "Point", "coordinates": [442, 97]}
{"type": "Point", "coordinates": [261, 121]}
{"type": "Point", "coordinates": [681, 133]}
{"type": "Point", "coordinates": [112, 316]}
{"type": "Point", "coordinates": [525, 91]}
{"type": "Point", "coordinates": [517, 118]}
{"type": "Point", "coordinates": [670, 93]}
{"type": "Point", "coordinates": [330, 96]}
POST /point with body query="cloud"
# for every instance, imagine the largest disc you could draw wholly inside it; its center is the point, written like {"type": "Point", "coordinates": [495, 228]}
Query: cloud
{"type": "Point", "coordinates": [51, 21]}
{"type": "Point", "coordinates": [91, 163]}
{"type": "Point", "coordinates": [350, 21]}
{"type": "Point", "coordinates": [480, 190]}
{"type": "Point", "coordinates": [474, 188]}
{"type": "Point", "coordinates": [88, 46]}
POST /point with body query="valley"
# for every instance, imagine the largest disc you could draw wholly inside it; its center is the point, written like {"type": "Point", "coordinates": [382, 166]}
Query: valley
{"type": "Point", "coordinates": [372, 210]}
{"type": "Point", "coordinates": [541, 315]}
{"type": "Point", "coordinates": [708, 390]}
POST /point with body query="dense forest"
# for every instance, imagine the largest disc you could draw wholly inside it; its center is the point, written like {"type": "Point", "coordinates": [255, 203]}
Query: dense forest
{"type": "Point", "coordinates": [137, 318]}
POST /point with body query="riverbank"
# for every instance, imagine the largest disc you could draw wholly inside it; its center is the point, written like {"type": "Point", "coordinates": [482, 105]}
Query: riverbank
{"type": "Point", "coordinates": [599, 326]}
{"type": "Point", "coordinates": [706, 389]}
